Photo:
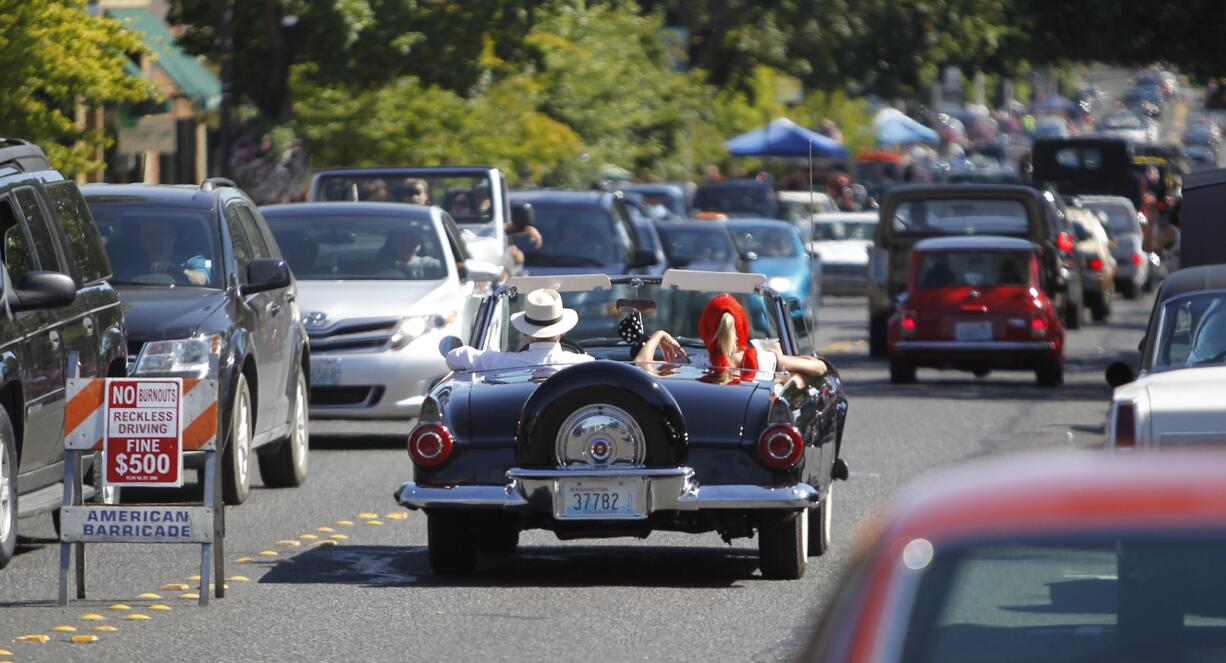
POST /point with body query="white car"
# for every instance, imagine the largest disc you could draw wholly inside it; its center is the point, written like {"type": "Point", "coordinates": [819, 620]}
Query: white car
{"type": "Point", "coordinates": [843, 241]}
{"type": "Point", "coordinates": [1178, 397]}
{"type": "Point", "coordinates": [378, 285]}
{"type": "Point", "coordinates": [1124, 224]}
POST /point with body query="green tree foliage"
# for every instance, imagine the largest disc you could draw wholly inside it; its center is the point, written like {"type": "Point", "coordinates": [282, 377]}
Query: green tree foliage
{"type": "Point", "coordinates": [58, 58]}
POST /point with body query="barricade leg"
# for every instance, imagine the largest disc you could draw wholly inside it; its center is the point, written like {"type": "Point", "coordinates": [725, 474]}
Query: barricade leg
{"type": "Point", "coordinates": [219, 534]}
{"type": "Point", "coordinates": [71, 469]}
{"type": "Point", "coordinates": [78, 499]}
{"type": "Point", "coordinates": [206, 549]}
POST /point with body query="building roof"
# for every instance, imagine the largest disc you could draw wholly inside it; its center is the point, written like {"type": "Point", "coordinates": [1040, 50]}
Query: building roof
{"type": "Point", "coordinates": [191, 77]}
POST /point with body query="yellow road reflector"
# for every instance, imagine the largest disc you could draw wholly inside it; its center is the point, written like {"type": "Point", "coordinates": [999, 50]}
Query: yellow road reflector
{"type": "Point", "coordinates": [92, 617]}
{"type": "Point", "coordinates": [396, 515]}
{"type": "Point", "coordinates": [159, 606]}
{"type": "Point", "coordinates": [307, 537]}
{"type": "Point", "coordinates": [5, 652]}
{"type": "Point", "coordinates": [189, 595]}
{"type": "Point", "coordinates": [174, 587]}
{"type": "Point", "coordinates": [374, 522]}
{"type": "Point", "coordinates": [212, 585]}
{"type": "Point", "coordinates": [244, 560]}
{"type": "Point", "coordinates": [339, 537]}
{"type": "Point", "coordinates": [64, 628]}
{"type": "Point", "coordinates": [106, 628]}
{"type": "Point", "coordinates": [149, 595]}
{"type": "Point", "coordinates": [119, 606]}
{"type": "Point", "coordinates": [367, 516]}
{"type": "Point", "coordinates": [325, 542]}
{"type": "Point", "coordinates": [40, 638]}
{"type": "Point", "coordinates": [288, 542]}
{"type": "Point", "coordinates": [237, 578]}
{"type": "Point", "coordinates": [136, 616]}
{"type": "Point", "coordinates": [85, 638]}
{"type": "Point", "coordinates": [324, 529]}
{"type": "Point", "coordinates": [194, 578]}
{"type": "Point", "coordinates": [267, 553]}
{"type": "Point", "coordinates": [345, 523]}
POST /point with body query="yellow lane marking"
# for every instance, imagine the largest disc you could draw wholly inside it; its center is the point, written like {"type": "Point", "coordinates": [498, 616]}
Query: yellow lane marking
{"type": "Point", "coordinates": [64, 628]}
{"type": "Point", "coordinates": [136, 616]}
{"type": "Point", "coordinates": [396, 515]}
{"type": "Point", "coordinates": [194, 578]}
{"type": "Point", "coordinates": [85, 638]}
{"type": "Point", "coordinates": [339, 537]}
{"type": "Point", "coordinates": [324, 529]}
{"type": "Point", "coordinates": [289, 543]}
{"type": "Point", "coordinates": [213, 585]}
{"type": "Point", "coordinates": [149, 595]}
{"type": "Point", "coordinates": [367, 515]}
{"type": "Point", "coordinates": [174, 587]}
{"type": "Point", "coordinates": [267, 553]}
{"type": "Point", "coordinates": [243, 560]}
{"type": "Point", "coordinates": [162, 607]}
{"type": "Point", "coordinates": [237, 578]}
{"type": "Point", "coordinates": [5, 652]}
{"type": "Point", "coordinates": [106, 628]}
{"type": "Point", "coordinates": [119, 606]}
{"type": "Point", "coordinates": [40, 638]}
{"type": "Point", "coordinates": [92, 617]}
{"type": "Point", "coordinates": [374, 522]}
{"type": "Point", "coordinates": [307, 537]}
{"type": "Point", "coordinates": [345, 523]}
{"type": "Point", "coordinates": [189, 595]}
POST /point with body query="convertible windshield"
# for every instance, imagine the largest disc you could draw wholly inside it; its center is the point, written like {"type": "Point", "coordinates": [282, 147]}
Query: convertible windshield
{"type": "Point", "coordinates": [602, 311]}
{"type": "Point", "coordinates": [1193, 332]}
{"type": "Point", "coordinates": [331, 248]}
{"type": "Point", "coordinates": [465, 197]}
{"type": "Point", "coordinates": [1089, 599]}
{"type": "Point", "coordinates": [959, 216]}
{"type": "Point", "coordinates": [160, 245]}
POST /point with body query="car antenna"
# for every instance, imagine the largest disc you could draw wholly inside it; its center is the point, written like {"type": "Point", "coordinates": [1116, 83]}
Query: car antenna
{"type": "Point", "coordinates": [812, 202]}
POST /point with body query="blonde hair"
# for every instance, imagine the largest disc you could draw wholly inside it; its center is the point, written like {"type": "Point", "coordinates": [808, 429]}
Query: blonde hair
{"type": "Point", "coordinates": [725, 335]}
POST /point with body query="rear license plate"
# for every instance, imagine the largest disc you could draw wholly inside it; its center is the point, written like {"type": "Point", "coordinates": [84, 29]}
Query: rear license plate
{"type": "Point", "coordinates": [973, 331]}
{"type": "Point", "coordinates": [594, 498]}
{"type": "Point", "coordinates": [325, 371]}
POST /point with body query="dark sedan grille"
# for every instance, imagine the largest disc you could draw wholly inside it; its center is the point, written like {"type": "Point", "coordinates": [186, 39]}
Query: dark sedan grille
{"type": "Point", "coordinates": [349, 335]}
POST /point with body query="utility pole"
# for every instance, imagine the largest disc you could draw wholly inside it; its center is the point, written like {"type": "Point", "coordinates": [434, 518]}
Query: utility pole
{"type": "Point", "coordinates": [226, 138]}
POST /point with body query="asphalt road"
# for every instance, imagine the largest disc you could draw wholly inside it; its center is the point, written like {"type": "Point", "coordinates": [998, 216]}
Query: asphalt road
{"type": "Point", "coordinates": [371, 595]}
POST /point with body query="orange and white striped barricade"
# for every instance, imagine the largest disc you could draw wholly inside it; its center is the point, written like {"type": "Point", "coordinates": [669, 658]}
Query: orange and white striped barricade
{"type": "Point", "coordinates": [141, 427]}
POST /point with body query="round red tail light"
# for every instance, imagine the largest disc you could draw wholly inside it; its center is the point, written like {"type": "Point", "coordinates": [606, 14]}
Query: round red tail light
{"type": "Point", "coordinates": [1096, 265]}
{"type": "Point", "coordinates": [1064, 242]}
{"type": "Point", "coordinates": [781, 446]}
{"type": "Point", "coordinates": [430, 444]}
{"type": "Point", "coordinates": [1136, 259]}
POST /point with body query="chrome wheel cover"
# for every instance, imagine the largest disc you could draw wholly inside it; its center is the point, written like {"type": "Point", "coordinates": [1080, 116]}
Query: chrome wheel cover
{"type": "Point", "coordinates": [6, 493]}
{"type": "Point", "coordinates": [242, 438]}
{"type": "Point", "coordinates": [298, 436]}
{"type": "Point", "coordinates": [600, 435]}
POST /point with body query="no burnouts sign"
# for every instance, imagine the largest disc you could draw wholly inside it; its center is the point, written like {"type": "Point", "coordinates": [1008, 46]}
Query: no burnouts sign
{"type": "Point", "coordinates": [143, 445]}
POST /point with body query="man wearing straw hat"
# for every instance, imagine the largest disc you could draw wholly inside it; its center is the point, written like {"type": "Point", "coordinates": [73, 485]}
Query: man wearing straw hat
{"type": "Point", "coordinates": [544, 320]}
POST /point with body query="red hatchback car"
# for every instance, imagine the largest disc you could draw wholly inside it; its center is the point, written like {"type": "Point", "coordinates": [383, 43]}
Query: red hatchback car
{"type": "Point", "coordinates": [1051, 556]}
{"type": "Point", "coordinates": [976, 304]}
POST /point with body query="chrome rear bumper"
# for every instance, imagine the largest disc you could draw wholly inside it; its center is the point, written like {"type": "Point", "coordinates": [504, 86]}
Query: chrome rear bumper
{"type": "Point", "coordinates": [666, 489]}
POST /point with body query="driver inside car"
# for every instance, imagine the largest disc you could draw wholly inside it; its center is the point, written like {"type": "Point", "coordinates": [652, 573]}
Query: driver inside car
{"type": "Point", "coordinates": [1209, 342]}
{"type": "Point", "coordinates": [157, 240]}
{"type": "Point", "coordinates": [544, 321]}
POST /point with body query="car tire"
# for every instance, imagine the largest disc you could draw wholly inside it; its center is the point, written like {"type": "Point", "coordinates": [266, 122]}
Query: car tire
{"type": "Point", "coordinates": [450, 543]}
{"type": "Point", "coordinates": [1129, 290]}
{"type": "Point", "coordinates": [821, 520]}
{"type": "Point", "coordinates": [902, 372]}
{"type": "Point", "coordinates": [499, 539]}
{"type": "Point", "coordinates": [8, 490]}
{"type": "Point", "coordinates": [1050, 373]}
{"type": "Point", "coordinates": [1073, 315]}
{"type": "Point", "coordinates": [782, 543]}
{"type": "Point", "coordinates": [1100, 311]}
{"type": "Point", "coordinates": [287, 466]}
{"type": "Point", "coordinates": [878, 335]}
{"type": "Point", "coordinates": [236, 460]}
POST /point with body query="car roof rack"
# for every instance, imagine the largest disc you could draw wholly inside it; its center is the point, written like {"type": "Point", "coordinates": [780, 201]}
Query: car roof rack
{"type": "Point", "coordinates": [22, 155]}
{"type": "Point", "coordinates": [213, 182]}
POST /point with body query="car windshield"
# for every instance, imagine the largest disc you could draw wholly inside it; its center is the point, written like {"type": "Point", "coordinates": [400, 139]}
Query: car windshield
{"type": "Point", "coordinates": [150, 245]}
{"type": "Point", "coordinates": [332, 248]}
{"type": "Point", "coordinates": [1121, 219]}
{"type": "Point", "coordinates": [576, 236]}
{"type": "Point", "coordinates": [465, 197]}
{"type": "Point", "coordinates": [1092, 598]}
{"type": "Point", "coordinates": [697, 244]}
{"type": "Point", "coordinates": [602, 311]}
{"type": "Point", "coordinates": [844, 230]}
{"type": "Point", "coordinates": [1193, 332]}
{"type": "Point", "coordinates": [767, 241]}
{"type": "Point", "coordinates": [947, 269]}
{"type": "Point", "coordinates": [961, 216]}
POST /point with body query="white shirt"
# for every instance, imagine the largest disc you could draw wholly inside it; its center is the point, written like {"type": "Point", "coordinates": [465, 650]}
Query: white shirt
{"type": "Point", "coordinates": [540, 353]}
{"type": "Point", "coordinates": [767, 361]}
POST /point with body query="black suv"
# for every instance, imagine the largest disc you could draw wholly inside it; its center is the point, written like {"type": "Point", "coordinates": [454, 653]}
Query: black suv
{"type": "Point", "coordinates": [54, 284]}
{"type": "Point", "coordinates": [206, 294]}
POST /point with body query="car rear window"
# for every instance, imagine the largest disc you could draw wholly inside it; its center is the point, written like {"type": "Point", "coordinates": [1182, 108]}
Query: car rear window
{"type": "Point", "coordinates": [1121, 219]}
{"type": "Point", "coordinates": [961, 216]}
{"type": "Point", "coordinates": [576, 236]}
{"type": "Point", "coordinates": [948, 269]}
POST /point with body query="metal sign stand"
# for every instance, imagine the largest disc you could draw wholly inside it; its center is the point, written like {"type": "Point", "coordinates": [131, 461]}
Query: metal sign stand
{"type": "Point", "coordinates": [206, 522]}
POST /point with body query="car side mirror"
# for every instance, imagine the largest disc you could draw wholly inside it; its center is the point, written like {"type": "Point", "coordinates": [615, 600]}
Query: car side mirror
{"type": "Point", "coordinates": [1119, 373]}
{"type": "Point", "coordinates": [266, 274]}
{"type": "Point", "coordinates": [42, 290]}
{"type": "Point", "coordinates": [479, 270]}
{"type": "Point", "coordinates": [449, 343]}
{"type": "Point", "coordinates": [642, 258]}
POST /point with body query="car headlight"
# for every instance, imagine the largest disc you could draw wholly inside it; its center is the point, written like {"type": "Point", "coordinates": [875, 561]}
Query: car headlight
{"type": "Point", "coordinates": [780, 284]}
{"type": "Point", "coordinates": [183, 357]}
{"type": "Point", "coordinates": [415, 326]}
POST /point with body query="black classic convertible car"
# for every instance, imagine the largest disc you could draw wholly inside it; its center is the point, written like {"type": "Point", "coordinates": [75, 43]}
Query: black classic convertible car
{"type": "Point", "coordinates": [612, 447]}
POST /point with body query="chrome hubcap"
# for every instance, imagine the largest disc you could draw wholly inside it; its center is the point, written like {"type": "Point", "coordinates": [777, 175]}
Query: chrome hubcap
{"type": "Point", "coordinates": [804, 536]}
{"type": "Point", "coordinates": [6, 497]}
{"type": "Point", "coordinates": [242, 438]}
{"type": "Point", "coordinates": [600, 435]}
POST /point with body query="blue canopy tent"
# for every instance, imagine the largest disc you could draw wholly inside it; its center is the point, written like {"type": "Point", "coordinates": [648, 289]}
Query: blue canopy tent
{"type": "Point", "coordinates": [785, 138]}
{"type": "Point", "coordinates": [892, 127]}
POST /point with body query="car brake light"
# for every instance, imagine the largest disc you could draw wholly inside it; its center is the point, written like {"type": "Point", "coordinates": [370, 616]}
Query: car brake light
{"type": "Point", "coordinates": [430, 444]}
{"type": "Point", "coordinates": [1096, 264]}
{"type": "Point", "coordinates": [781, 446]}
{"type": "Point", "coordinates": [1125, 425]}
{"type": "Point", "coordinates": [1064, 242]}
{"type": "Point", "coordinates": [1038, 327]}
{"type": "Point", "coordinates": [1137, 259]}
{"type": "Point", "coordinates": [908, 322]}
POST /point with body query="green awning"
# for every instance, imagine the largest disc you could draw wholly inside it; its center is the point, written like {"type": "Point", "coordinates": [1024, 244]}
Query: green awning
{"type": "Point", "coordinates": [192, 78]}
